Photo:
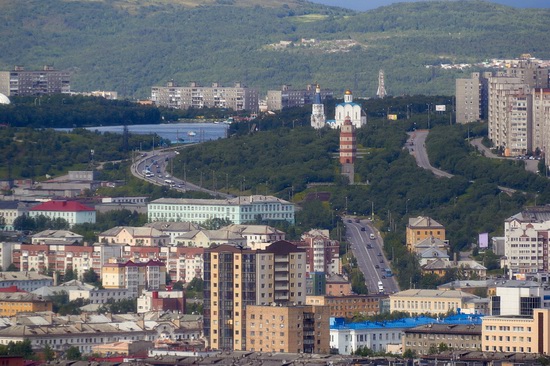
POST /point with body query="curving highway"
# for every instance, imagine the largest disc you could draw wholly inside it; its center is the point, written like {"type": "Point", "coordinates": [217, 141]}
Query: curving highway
{"type": "Point", "coordinates": [417, 148]}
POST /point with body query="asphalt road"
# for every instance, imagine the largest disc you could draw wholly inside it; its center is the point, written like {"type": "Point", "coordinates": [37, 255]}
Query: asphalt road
{"type": "Point", "coordinates": [530, 165]}
{"type": "Point", "coordinates": [417, 148]}
{"type": "Point", "coordinates": [369, 258]}
{"type": "Point", "coordinates": [163, 158]}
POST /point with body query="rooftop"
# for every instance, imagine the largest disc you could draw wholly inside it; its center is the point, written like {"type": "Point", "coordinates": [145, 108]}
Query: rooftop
{"type": "Point", "coordinates": [241, 200]}
{"type": "Point", "coordinates": [64, 206]}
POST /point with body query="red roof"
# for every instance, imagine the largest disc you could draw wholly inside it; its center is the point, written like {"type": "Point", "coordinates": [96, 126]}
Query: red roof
{"type": "Point", "coordinates": [66, 206]}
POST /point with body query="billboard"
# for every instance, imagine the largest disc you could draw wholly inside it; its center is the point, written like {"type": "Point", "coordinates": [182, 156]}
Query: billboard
{"type": "Point", "coordinates": [440, 107]}
{"type": "Point", "coordinates": [392, 117]}
{"type": "Point", "coordinates": [483, 240]}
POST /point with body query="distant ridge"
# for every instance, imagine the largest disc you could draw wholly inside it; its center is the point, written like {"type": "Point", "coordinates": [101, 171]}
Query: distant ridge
{"type": "Point", "coordinates": [362, 5]}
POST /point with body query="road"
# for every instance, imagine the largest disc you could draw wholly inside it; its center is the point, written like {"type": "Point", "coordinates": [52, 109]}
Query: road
{"type": "Point", "coordinates": [530, 165]}
{"type": "Point", "coordinates": [369, 258]}
{"type": "Point", "coordinates": [417, 148]}
{"type": "Point", "coordinates": [161, 171]}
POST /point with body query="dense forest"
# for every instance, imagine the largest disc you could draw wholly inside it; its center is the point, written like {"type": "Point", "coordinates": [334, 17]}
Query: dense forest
{"type": "Point", "coordinates": [129, 47]}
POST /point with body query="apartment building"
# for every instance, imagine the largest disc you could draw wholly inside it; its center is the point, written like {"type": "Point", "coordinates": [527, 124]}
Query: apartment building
{"type": "Point", "coordinates": [289, 97]}
{"type": "Point", "coordinates": [44, 258]}
{"type": "Point", "coordinates": [424, 338]}
{"type": "Point", "coordinates": [434, 302]}
{"type": "Point", "coordinates": [71, 211]}
{"type": "Point", "coordinates": [472, 97]}
{"type": "Point", "coordinates": [237, 97]}
{"type": "Point", "coordinates": [12, 303]}
{"type": "Point", "coordinates": [349, 306]}
{"type": "Point", "coordinates": [21, 82]}
{"type": "Point", "coordinates": [173, 229]}
{"type": "Point", "coordinates": [235, 278]}
{"type": "Point", "coordinates": [135, 277]}
{"type": "Point", "coordinates": [322, 253]}
{"type": "Point", "coordinates": [238, 210]}
{"type": "Point", "coordinates": [526, 240]}
{"type": "Point", "coordinates": [134, 236]}
{"type": "Point", "coordinates": [517, 333]}
{"type": "Point", "coordinates": [202, 238]}
{"type": "Point", "coordinates": [421, 228]}
{"type": "Point", "coordinates": [290, 329]}
{"type": "Point", "coordinates": [540, 107]}
{"type": "Point", "coordinates": [56, 237]}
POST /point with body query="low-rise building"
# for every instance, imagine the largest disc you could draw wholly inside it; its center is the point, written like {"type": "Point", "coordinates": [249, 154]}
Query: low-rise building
{"type": "Point", "coordinates": [338, 285]}
{"type": "Point", "coordinates": [257, 236]}
{"type": "Point", "coordinates": [86, 331]}
{"type": "Point", "coordinates": [25, 281]}
{"type": "Point", "coordinates": [434, 302]}
{"type": "Point", "coordinates": [350, 305]}
{"type": "Point", "coordinates": [421, 228]}
{"type": "Point", "coordinates": [423, 339]}
{"type": "Point", "coordinates": [161, 301]}
{"type": "Point", "coordinates": [173, 229]}
{"type": "Point", "coordinates": [12, 303]}
{"type": "Point", "coordinates": [56, 237]}
{"type": "Point", "coordinates": [71, 211]}
{"type": "Point", "coordinates": [134, 236]}
{"type": "Point", "coordinates": [206, 238]}
{"type": "Point", "coordinates": [287, 329]}
{"type": "Point", "coordinates": [238, 210]}
{"type": "Point", "coordinates": [9, 211]}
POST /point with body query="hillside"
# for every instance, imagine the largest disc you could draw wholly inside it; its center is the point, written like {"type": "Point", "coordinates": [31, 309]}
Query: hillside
{"type": "Point", "coordinates": [130, 46]}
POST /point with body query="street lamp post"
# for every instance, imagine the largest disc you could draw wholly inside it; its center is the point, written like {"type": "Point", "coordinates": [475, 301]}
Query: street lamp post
{"type": "Point", "coordinates": [429, 107]}
{"type": "Point", "coordinates": [407, 206]}
{"type": "Point", "coordinates": [371, 210]}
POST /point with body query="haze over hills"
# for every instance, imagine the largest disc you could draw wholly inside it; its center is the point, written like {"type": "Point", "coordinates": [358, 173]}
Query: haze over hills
{"type": "Point", "coordinates": [112, 46]}
{"type": "Point", "coordinates": [362, 5]}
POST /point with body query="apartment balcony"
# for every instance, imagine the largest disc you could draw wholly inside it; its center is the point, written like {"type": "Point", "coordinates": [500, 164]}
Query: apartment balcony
{"type": "Point", "coordinates": [281, 259]}
{"type": "Point", "coordinates": [281, 268]}
{"type": "Point", "coordinates": [282, 287]}
{"type": "Point", "coordinates": [281, 278]}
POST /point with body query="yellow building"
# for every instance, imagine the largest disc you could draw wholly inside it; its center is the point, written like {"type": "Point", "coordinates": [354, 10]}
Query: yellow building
{"type": "Point", "coordinates": [291, 329]}
{"type": "Point", "coordinates": [517, 333]}
{"type": "Point", "coordinates": [135, 277]}
{"type": "Point", "coordinates": [433, 302]}
{"type": "Point", "coordinates": [421, 228]}
{"type": "Point", "coordinates": [12, 303]}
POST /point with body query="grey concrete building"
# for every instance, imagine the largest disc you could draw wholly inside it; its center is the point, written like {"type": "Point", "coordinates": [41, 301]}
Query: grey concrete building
{"type": "Point", "coordinates": [34, 82]}
{"type": "Point", "coordinates": [472, 97]}
{"type": "Point", "coordinates": [288, 97]}
{"type": "Point", "coordinates": [237, 97]}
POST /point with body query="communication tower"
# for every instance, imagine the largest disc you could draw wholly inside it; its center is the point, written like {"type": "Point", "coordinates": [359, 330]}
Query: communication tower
{"type": "Point", "coordinates": [381, 92]}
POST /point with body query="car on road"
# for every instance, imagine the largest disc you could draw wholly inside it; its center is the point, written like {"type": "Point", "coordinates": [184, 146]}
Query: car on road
{"type": "Point", "coordinates": [362, 229]}
{"type": "Point", "coordinates": [369, 246]}
{"type": "Point", "coordinates": [357, 220]}
{"type": "Point", "coordinates": [381, 260]}
{"type": "Point", "coordinates": [379, 254]}
{"type": "Point", "coordinates": [377, 266]}
{"type": "Point", "coordinates": [371, 236]}
{"type": "Point", "coordinates": [349, 221]}
{"type": "Point", "coordinates": [383, 276]}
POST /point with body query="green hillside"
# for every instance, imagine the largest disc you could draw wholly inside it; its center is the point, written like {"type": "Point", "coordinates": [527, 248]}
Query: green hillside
{"type": "Point", "coordinates": [129, 46]}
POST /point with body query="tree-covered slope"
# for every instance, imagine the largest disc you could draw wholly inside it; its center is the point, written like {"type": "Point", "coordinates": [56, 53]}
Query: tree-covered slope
{"type": "Point", "coordinates": [111, 45]}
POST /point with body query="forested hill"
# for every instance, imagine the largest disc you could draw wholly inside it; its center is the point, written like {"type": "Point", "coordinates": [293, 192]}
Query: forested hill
{"type": "Point", "coordinates": [130, 46]}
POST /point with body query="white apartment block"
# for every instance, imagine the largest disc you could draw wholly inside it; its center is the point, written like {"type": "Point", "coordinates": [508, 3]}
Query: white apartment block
{"type": "Point", "coordinates": [541, 119]}
{"type": "Point", "coordinates": [238, 210]}
{"type": "Point", "coordinates": [237, 97]}
{"type": "Point", "coordinates": [526, 240]}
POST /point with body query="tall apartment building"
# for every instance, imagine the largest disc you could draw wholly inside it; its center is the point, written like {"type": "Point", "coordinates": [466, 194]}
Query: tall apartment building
{"type": "Point", "coordinates": [540, 107]}
{"type": "Point", "coordinates": [526, 240]}
{"type": "Point", "coordinates": [472, 97]}
{"type": "Point", "coordinates": [235, 278]}
{"type": "Point", "coordinates": [135, 277]}
{"type": "Point", "coordinates": [238, 210]}
{"type": "Point", "coordinates": [237, 97]}
{"type": "Point", "coordinates": [291, 329]}
{"type": "Point", "coordinates": [323, 254]}
{"type": "Point", "coordinates": [20, 82]}
{"type": "Point", "coordinates": [288, 97]}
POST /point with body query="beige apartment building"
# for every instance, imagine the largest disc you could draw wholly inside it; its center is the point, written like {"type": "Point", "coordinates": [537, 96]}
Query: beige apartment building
{"type": "Point", "coordinates": [291, 329]}
{"type": "Point", "coordinates": [524, 334]}
{"type": "Point", "coordinates": [236, 278]}
{"type": "Point", "coordinates": [432, 302]}
{"type": "Point", "coordinates": [237, 97]}
{"type": "Point", "coordinates": [421, 228]}
{"type": "Point", "coordinates": [135, 236]}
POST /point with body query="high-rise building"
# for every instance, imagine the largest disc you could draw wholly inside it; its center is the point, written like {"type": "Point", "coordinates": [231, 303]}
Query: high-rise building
{"type": "Point", "coordinates": [509, 117]}
{"type": "Point", "coordinates": [288, 97]}
{"type": "Point", "coordinates": [235, 278]}
{"type": "Point", "coordinates": [237, 97]}
{"type": "Point", "coordinates": [318, 117]}
{"type": "Point", "coordinates": [20, 82]}
{"type": "Point", "coordinates": [540, 107]}
{"type": "Point", "coordinates": [472, 97]}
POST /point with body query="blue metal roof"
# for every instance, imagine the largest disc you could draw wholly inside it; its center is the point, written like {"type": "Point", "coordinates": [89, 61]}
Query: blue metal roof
{"type": "Point", "coordinates": [348, 103]}
{"type": "Point", "coordinates": [340, 323]}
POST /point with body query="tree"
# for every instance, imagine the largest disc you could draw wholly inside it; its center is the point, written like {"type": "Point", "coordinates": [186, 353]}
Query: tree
{"type": "Point", "coordinates": [90, 276]}
{"type": "Point", "coordinates": [23, 223]}
{"type": "Point", "coordinates": [216, 223]}
{"type": "Point", "coordinates": [69, 275]}
{"type": "Point", "coordinates": [12, 268]}
{"type": "Point", "coordinates": [409, 354]}
{"type": "Point", "coordinates": [48, 352]}
{"type": "Point", "coordinates": [73, 353]}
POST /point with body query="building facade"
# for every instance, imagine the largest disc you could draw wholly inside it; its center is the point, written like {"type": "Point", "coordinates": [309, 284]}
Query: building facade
{"type": "Point", "coordinates": [20, 82]}
{"type": "Point", "coordinates": [434, 302]}
{"type": "Point", "coordinates": [288, 97]}
{"type": "Point", "coordinates": [238, 210]}
{"type": "Point", "coordinates": [237, 97]}
{"type": "Point", "coordinates": [135, 277]}
{"type": "Point", "coordinates": [71, 211]}
{"type": "Point", "coordinates": [349, 306]}
{"type": "Point", "coordinates": [422, 339]}
{"type": "Point", "coordinates": [472, 97]}
{"type": "Point", "coordinates": [299, 329]}
{"type": "Point", "coordinates": [134, 236]}
{"type": "Point", "coordinates": [421, 228]}
{"type": "Point", "coordinates": [12, 303]}
{"type": "Point", "coordinates": [323, 253]}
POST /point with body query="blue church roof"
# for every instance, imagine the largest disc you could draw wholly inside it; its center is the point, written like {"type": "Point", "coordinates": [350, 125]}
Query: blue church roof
{"type": "Point", "coordinates": [348, 103]}
{"type": "Point", "coordinates": [340, 323]}
{"type": "Point", "coordinates": [317, 98]}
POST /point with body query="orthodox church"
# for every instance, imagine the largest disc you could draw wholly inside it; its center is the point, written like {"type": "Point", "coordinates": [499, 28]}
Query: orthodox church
{"type": "Point", "coordinates": [343, 110]}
